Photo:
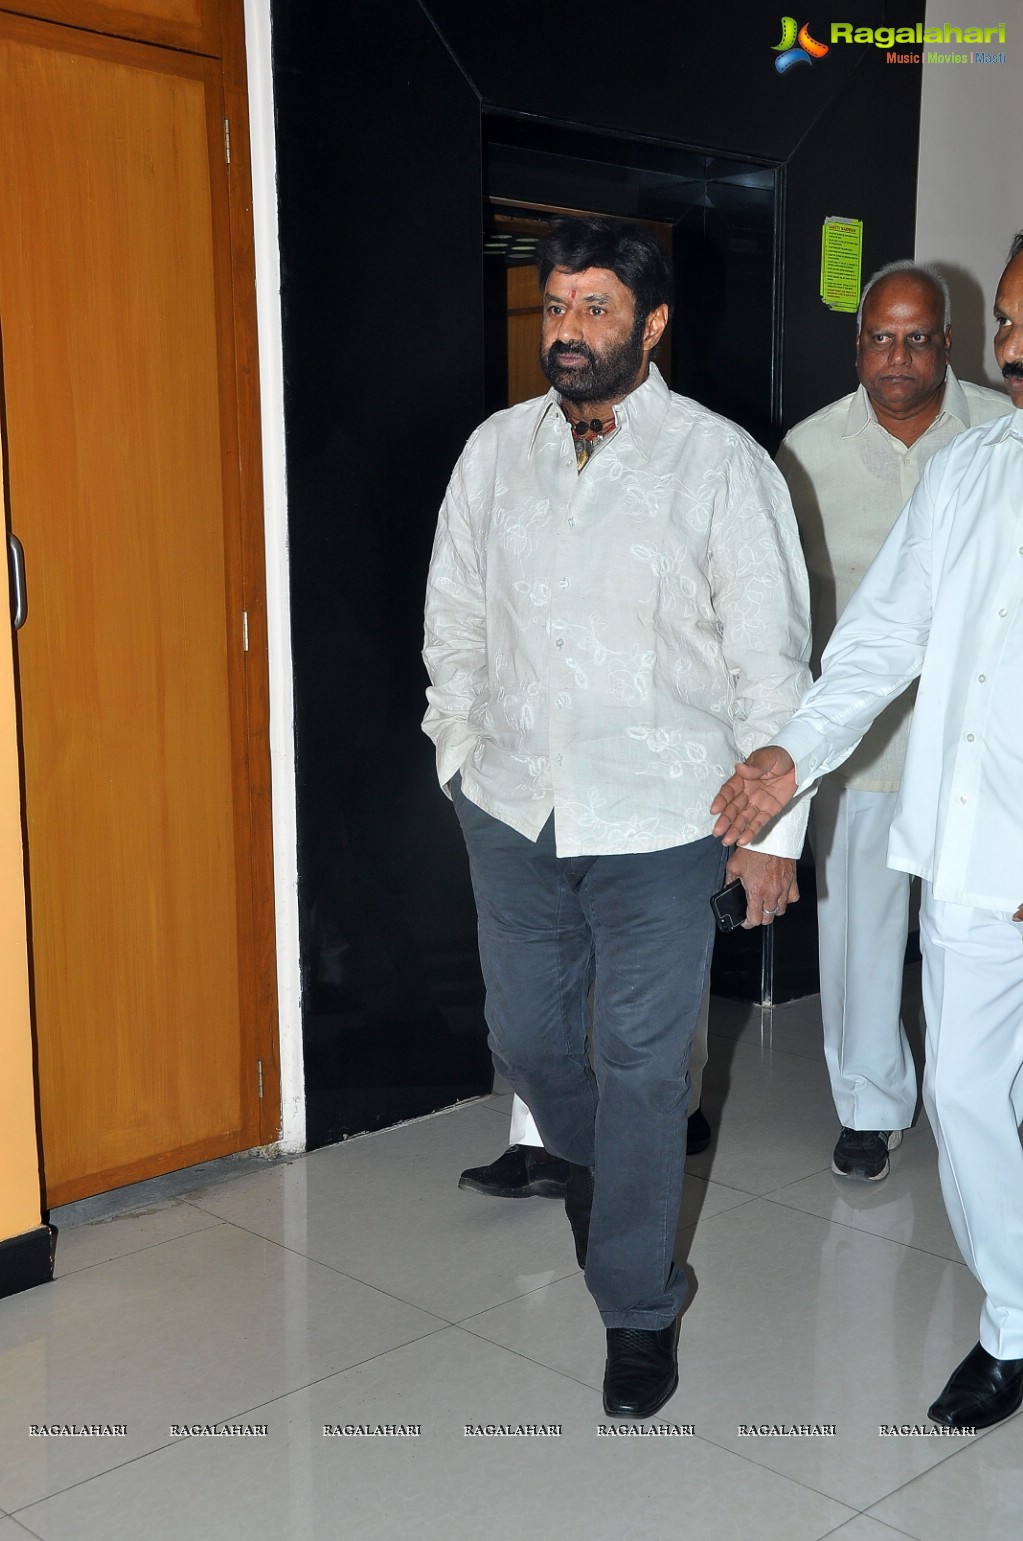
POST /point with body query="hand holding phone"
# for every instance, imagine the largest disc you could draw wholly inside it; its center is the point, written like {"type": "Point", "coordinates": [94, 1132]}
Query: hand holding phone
{"type": "Point", "coordinates": [729, 906]}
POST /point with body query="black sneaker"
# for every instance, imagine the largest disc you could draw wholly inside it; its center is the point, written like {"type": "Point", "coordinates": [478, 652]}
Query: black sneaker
{"type": "Point", "coordinates": [523, 1172]}
{"type": "Point", "coordinates": [863, 1153]}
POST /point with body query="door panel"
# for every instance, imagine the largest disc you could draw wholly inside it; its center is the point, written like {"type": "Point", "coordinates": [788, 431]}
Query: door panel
{"type": "Point", "coordinates": [188, 24]}
{"type": "Point", "coordinates": [115, 310]}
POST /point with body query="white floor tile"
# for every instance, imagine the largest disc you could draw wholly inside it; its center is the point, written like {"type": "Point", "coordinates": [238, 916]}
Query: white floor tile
{"type": "Point", "coordinates": [798, 1322]}
{"type": "Point", "coordinates": [794, 1028]}
{"type": "Point", "coordinates": [320, 1289]}
{"type": "Point", "coordinates": [10, 1530]}
{"type": "Point", "coordinates": [387, 1210]}
{"type": "Point", "coordinates": [197, 1329]}
{"type": "Point", "coordinates": [82, 1246]}
{"type": "Point", "coordinates": [442, 1484]}
{"type": "Point", "coordinates": [772, 1117]}
{"type": "Point", "coordinates": [864, 1529]}
{"type": "Point", "coordinates": [906, 1206]}
{"type": "Point", "coordinates": [976, 1495]}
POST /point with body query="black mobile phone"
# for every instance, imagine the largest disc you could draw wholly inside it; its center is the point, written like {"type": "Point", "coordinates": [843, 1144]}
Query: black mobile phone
{"type": "Point", "coordinates": [729, 906]}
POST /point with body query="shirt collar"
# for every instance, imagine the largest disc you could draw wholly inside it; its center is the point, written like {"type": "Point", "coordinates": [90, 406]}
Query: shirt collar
{"type": "Point", "coordinates": [641, 412]}
{"type": "Point", "coordinates": [861, 408]}
{"type": "Point", "coordinates": [1013, 422]}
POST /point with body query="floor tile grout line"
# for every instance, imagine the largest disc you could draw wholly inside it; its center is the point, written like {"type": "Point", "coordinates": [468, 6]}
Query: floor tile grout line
{"type": "Point", "coordinates": [865, 1511]}
{"type": "Point", "coordinates": [787, 1477]}
{"type": "Point", "coordinates": [235, 1418]}
{"type": "Point", "coordinates": [355, 1279]}
{"type": "Point", "coordinates": [860, 1230]}
{"type": "Point", "coordinates": [898, 1535]}
{"type": "Point", "coordinates": [101, 1262]}
{"type": "Point", "coordinates": [269, 1240]}
{"type": "Point", "coordinates": [33, 1535]}
{"type": "Point", "coordinates": [951, 1456]}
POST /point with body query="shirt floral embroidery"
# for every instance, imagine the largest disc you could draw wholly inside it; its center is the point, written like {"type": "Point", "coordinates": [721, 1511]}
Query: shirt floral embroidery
{"type": "Point", "coordinates": [606, 644]}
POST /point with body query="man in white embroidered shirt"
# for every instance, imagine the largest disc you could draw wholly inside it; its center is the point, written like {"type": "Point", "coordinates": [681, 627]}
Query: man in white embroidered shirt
{"type": "Point", "coordinates": [616, 599]}
{"type": "Point", "coordinates": [943, 601]}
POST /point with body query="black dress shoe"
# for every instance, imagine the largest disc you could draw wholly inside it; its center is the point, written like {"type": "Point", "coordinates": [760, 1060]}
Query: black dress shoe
{"type": "Point", "coordinates": [523, 1172]}
{"type": "Point", "coordinates": [578, 1203]}
{"type": "Point", "coordinates": [981, 1391]}
{"type": "Point", "coordinates": [641, 1371]}
{"type": "Point", "coordinates": [697, 1134]}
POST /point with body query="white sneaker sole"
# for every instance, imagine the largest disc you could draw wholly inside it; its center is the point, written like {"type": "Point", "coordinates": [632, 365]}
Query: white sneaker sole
{"type": "Point", "coordinates": [894, 1141]}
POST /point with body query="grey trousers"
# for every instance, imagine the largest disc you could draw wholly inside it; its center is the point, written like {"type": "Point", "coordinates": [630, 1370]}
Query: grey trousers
{"type": "Point", "coordinates": [640, 927]}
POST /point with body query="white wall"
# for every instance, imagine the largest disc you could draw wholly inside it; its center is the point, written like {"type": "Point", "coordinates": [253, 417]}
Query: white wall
{"type": "Point", "coordinates": [282, 740]}
{"type": "Point", "coordinates": [970, 185]}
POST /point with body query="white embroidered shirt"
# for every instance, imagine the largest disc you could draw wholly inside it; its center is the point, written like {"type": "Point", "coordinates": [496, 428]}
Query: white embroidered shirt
{"type": "Point", "coordinates": [605, 644]}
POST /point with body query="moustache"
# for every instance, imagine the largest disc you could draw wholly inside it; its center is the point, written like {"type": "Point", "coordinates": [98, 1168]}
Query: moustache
{"type": "Point", "coordinates": [580, 349]}
{"type": "Point", "coordinates": [1013, 371]}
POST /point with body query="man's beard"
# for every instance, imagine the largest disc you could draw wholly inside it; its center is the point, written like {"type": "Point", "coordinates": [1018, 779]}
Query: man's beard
{"type": "Point", "coordinates": [605, 375]}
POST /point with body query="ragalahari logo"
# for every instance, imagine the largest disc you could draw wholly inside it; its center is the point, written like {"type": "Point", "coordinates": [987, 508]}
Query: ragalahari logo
{"type": "Point", "coordinates": [796, 46]}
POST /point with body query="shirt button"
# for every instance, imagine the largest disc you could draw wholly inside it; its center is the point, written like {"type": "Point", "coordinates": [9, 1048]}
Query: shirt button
{"type": "Point", "coordinates": [563, 584]}
{"type": "Point", "coordinates": [1003, 614]}
{"type": "Point", "coordinates": [969, 738]}
{"type": "Point", "coordinates": [962, 799]}
{"type": "Point", "coordinates": [560, 759]}
{"type": "Point", "coordinates": [560, 642]}
{"type": "Point", "coordinates": [571, 524]}
{"type": "Point", "coordinates": [981, 678]}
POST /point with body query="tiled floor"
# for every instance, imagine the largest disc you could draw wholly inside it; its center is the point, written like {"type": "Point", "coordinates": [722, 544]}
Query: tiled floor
{"type": "Point", "coordinates": [358, 1286]}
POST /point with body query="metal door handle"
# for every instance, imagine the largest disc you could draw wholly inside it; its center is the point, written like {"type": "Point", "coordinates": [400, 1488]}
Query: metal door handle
{"type": "Point", "coordinates": [19, 594]}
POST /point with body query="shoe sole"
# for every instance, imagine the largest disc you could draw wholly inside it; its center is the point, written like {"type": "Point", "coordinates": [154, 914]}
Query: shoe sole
{"type": "Point", "coordinates": [894, 1141]}
{"type": "Point", "coordinates": [544, 1189]}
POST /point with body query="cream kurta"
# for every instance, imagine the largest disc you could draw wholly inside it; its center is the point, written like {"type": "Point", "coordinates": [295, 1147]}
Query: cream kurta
{"type": "Point", "coordinates": [850, 479]}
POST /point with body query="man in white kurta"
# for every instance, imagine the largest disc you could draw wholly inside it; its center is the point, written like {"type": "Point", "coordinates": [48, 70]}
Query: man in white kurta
{"type": "Point", "coordinates": [943, 602]}
{"type": "Point", "coordinates": [850, 469]}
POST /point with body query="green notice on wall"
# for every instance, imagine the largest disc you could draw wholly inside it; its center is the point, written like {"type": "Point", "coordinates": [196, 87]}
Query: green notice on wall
{"type": "Point", "coordinates": [841, 253]}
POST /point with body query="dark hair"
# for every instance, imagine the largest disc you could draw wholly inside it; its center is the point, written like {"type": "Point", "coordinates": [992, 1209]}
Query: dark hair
{"type": "Point", "coordinates": [1016, 247]}
{"type": "Point", "coordinates": [631, 252]}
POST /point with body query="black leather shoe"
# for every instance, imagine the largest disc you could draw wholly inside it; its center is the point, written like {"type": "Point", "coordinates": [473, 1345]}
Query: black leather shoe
{"type": "Point", "coordinates": [523, 1172]}
{"type": "Point", "coordinates": [578, 1203]}
{"type": "Point", "coordinates": [980, 1391]}
{"type": "Point", "coordinates": [641, 1371]}
{"type": "Point", "coordinates": [697, 1134]}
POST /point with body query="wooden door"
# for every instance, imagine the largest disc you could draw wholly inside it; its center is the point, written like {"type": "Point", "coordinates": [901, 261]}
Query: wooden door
{"type": "Point", "coordinates": [152, 999]}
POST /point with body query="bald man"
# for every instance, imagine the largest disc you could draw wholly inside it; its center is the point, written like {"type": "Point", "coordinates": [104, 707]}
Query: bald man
{"type": "Point", "coordinates": [850, 469]}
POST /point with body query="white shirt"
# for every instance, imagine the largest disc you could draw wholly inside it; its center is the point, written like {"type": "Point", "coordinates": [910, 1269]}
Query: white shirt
{"type": "Point", "coordinates": [605, 644]}
{"type": "Point", "coordinates": [850, 479]}
{"type": "Point", "coordinates": [943, 600]}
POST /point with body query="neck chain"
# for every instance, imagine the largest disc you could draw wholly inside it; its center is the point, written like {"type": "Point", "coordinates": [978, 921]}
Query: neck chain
{"type": "Point", "coordinates": [588, 434]}
{"type": "Point", "coordinates": [592, 428]}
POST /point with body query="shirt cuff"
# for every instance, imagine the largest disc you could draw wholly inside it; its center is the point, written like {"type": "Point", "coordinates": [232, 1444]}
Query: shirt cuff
{"type": "Point", "coordinates": [808, 749]}
{"type": "Point", "coordinates": [785, 835]}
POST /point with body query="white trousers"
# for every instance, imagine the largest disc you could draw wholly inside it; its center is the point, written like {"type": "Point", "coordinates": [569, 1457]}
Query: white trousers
{"type": "Point", "coordinates": [863, 920]}
{"type": "Point", "coordinates": [523, 1130]}
{"type": "Point", "coordinates": [973, 1092]}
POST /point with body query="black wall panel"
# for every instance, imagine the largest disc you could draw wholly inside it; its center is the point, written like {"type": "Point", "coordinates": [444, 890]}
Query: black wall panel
{"type": "Point", "coordinates": [380, 126]}
{"type": "Point", "coordinates": [379, 188]}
